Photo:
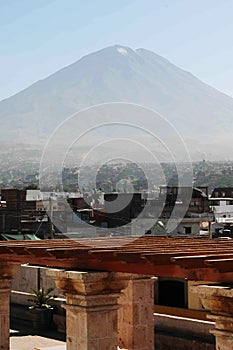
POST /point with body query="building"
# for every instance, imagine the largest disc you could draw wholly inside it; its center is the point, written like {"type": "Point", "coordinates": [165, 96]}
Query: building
{"type": "Point", "coordinates": [221, 202]}
{"type": "Point", "coordinates": [22, 216]}
{"type": "Point", "coordinates": [197, 212]}
{"type": "Point", "coordinates": [160, 208]}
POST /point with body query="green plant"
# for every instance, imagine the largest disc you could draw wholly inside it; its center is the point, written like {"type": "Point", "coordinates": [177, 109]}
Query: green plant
{"type": "Point", "coordinates": [41, 298]}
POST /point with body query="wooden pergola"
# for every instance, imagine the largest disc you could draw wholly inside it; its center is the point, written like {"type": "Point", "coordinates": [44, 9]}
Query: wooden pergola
{"type": "Point", "coordinates": [193, 258]}
{"type": "Point", "coordinates": [93, 272]}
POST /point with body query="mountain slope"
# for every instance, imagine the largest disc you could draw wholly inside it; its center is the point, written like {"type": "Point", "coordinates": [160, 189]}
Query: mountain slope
{"type": "Point", "coordinates": [118, 74]}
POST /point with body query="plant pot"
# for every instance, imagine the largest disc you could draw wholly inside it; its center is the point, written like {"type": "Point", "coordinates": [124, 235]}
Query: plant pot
{"type": "Point", "coordinates": [41, 318]}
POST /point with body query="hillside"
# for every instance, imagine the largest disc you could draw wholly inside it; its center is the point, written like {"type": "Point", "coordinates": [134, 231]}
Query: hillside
{"type": "Point", "coordinates": [203, 115]}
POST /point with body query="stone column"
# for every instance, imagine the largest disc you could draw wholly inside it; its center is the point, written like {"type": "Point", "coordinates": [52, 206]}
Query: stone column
{"type": "Point", "coordinates": [7, 272]}
{"type": "Point", "coordinates": [136, 317]}
{"type": "Point", "coordinates": [219, 300]}
{"type": "Point", "coordinates": [91, 307]}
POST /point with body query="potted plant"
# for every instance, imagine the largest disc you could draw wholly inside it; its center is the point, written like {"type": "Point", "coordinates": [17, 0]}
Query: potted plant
{"type": "Point", "coordinates": [41, 311]}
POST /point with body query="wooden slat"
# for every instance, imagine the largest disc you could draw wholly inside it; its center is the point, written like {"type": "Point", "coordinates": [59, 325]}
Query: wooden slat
{"type": "Point", "coordinates": [198, 261]}
{"type": "Point", "coordinates": [222, 265]}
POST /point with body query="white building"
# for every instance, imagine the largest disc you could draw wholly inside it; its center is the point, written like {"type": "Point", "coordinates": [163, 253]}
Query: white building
{"type": "Point", "coordinates": [223, 209]}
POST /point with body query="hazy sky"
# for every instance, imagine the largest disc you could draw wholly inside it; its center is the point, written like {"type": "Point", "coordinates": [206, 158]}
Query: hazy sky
{"type": "Point", "coordinates": [38, 37]}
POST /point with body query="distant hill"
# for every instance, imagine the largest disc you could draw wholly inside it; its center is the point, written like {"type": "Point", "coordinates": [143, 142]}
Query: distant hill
{"type": "Point", "coordinates": [202, 114]}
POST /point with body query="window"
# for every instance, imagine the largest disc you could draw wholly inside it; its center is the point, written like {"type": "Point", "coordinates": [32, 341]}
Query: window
{"type": "Point", "coordinates": [188, 230]}
{"type": "Point", "coordinates": [171, 292]}
{"type": "Point", "coordinates": [215, 203]}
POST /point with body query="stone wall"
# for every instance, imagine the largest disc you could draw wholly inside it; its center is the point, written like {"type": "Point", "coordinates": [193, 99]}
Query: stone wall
{"type": "Point", "coordinates": [34, 277]}
{"type": "Point", "coordinates": [179, 333]}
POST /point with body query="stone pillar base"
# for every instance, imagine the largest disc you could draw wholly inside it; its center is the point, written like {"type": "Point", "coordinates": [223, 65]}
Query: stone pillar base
{"type": "Point", "coordinates": [136, 317]}
{"type": "Point", "coordinates": [7, 272]}
{"type": "Point", "coordinates": [92, 321]}
{"type": "Point", "coordinates": [91, 308]}
{"type": "Point", "coordinates": [223, 331]}
{"type": "Point", "coordinates": [219, 300]}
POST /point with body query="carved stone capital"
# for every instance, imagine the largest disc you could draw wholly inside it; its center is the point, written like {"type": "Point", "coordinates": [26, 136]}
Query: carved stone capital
{"type": "Point", "coordinates": [88, 283]}
{"type": "Point", "coordinates": [216, 298]}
